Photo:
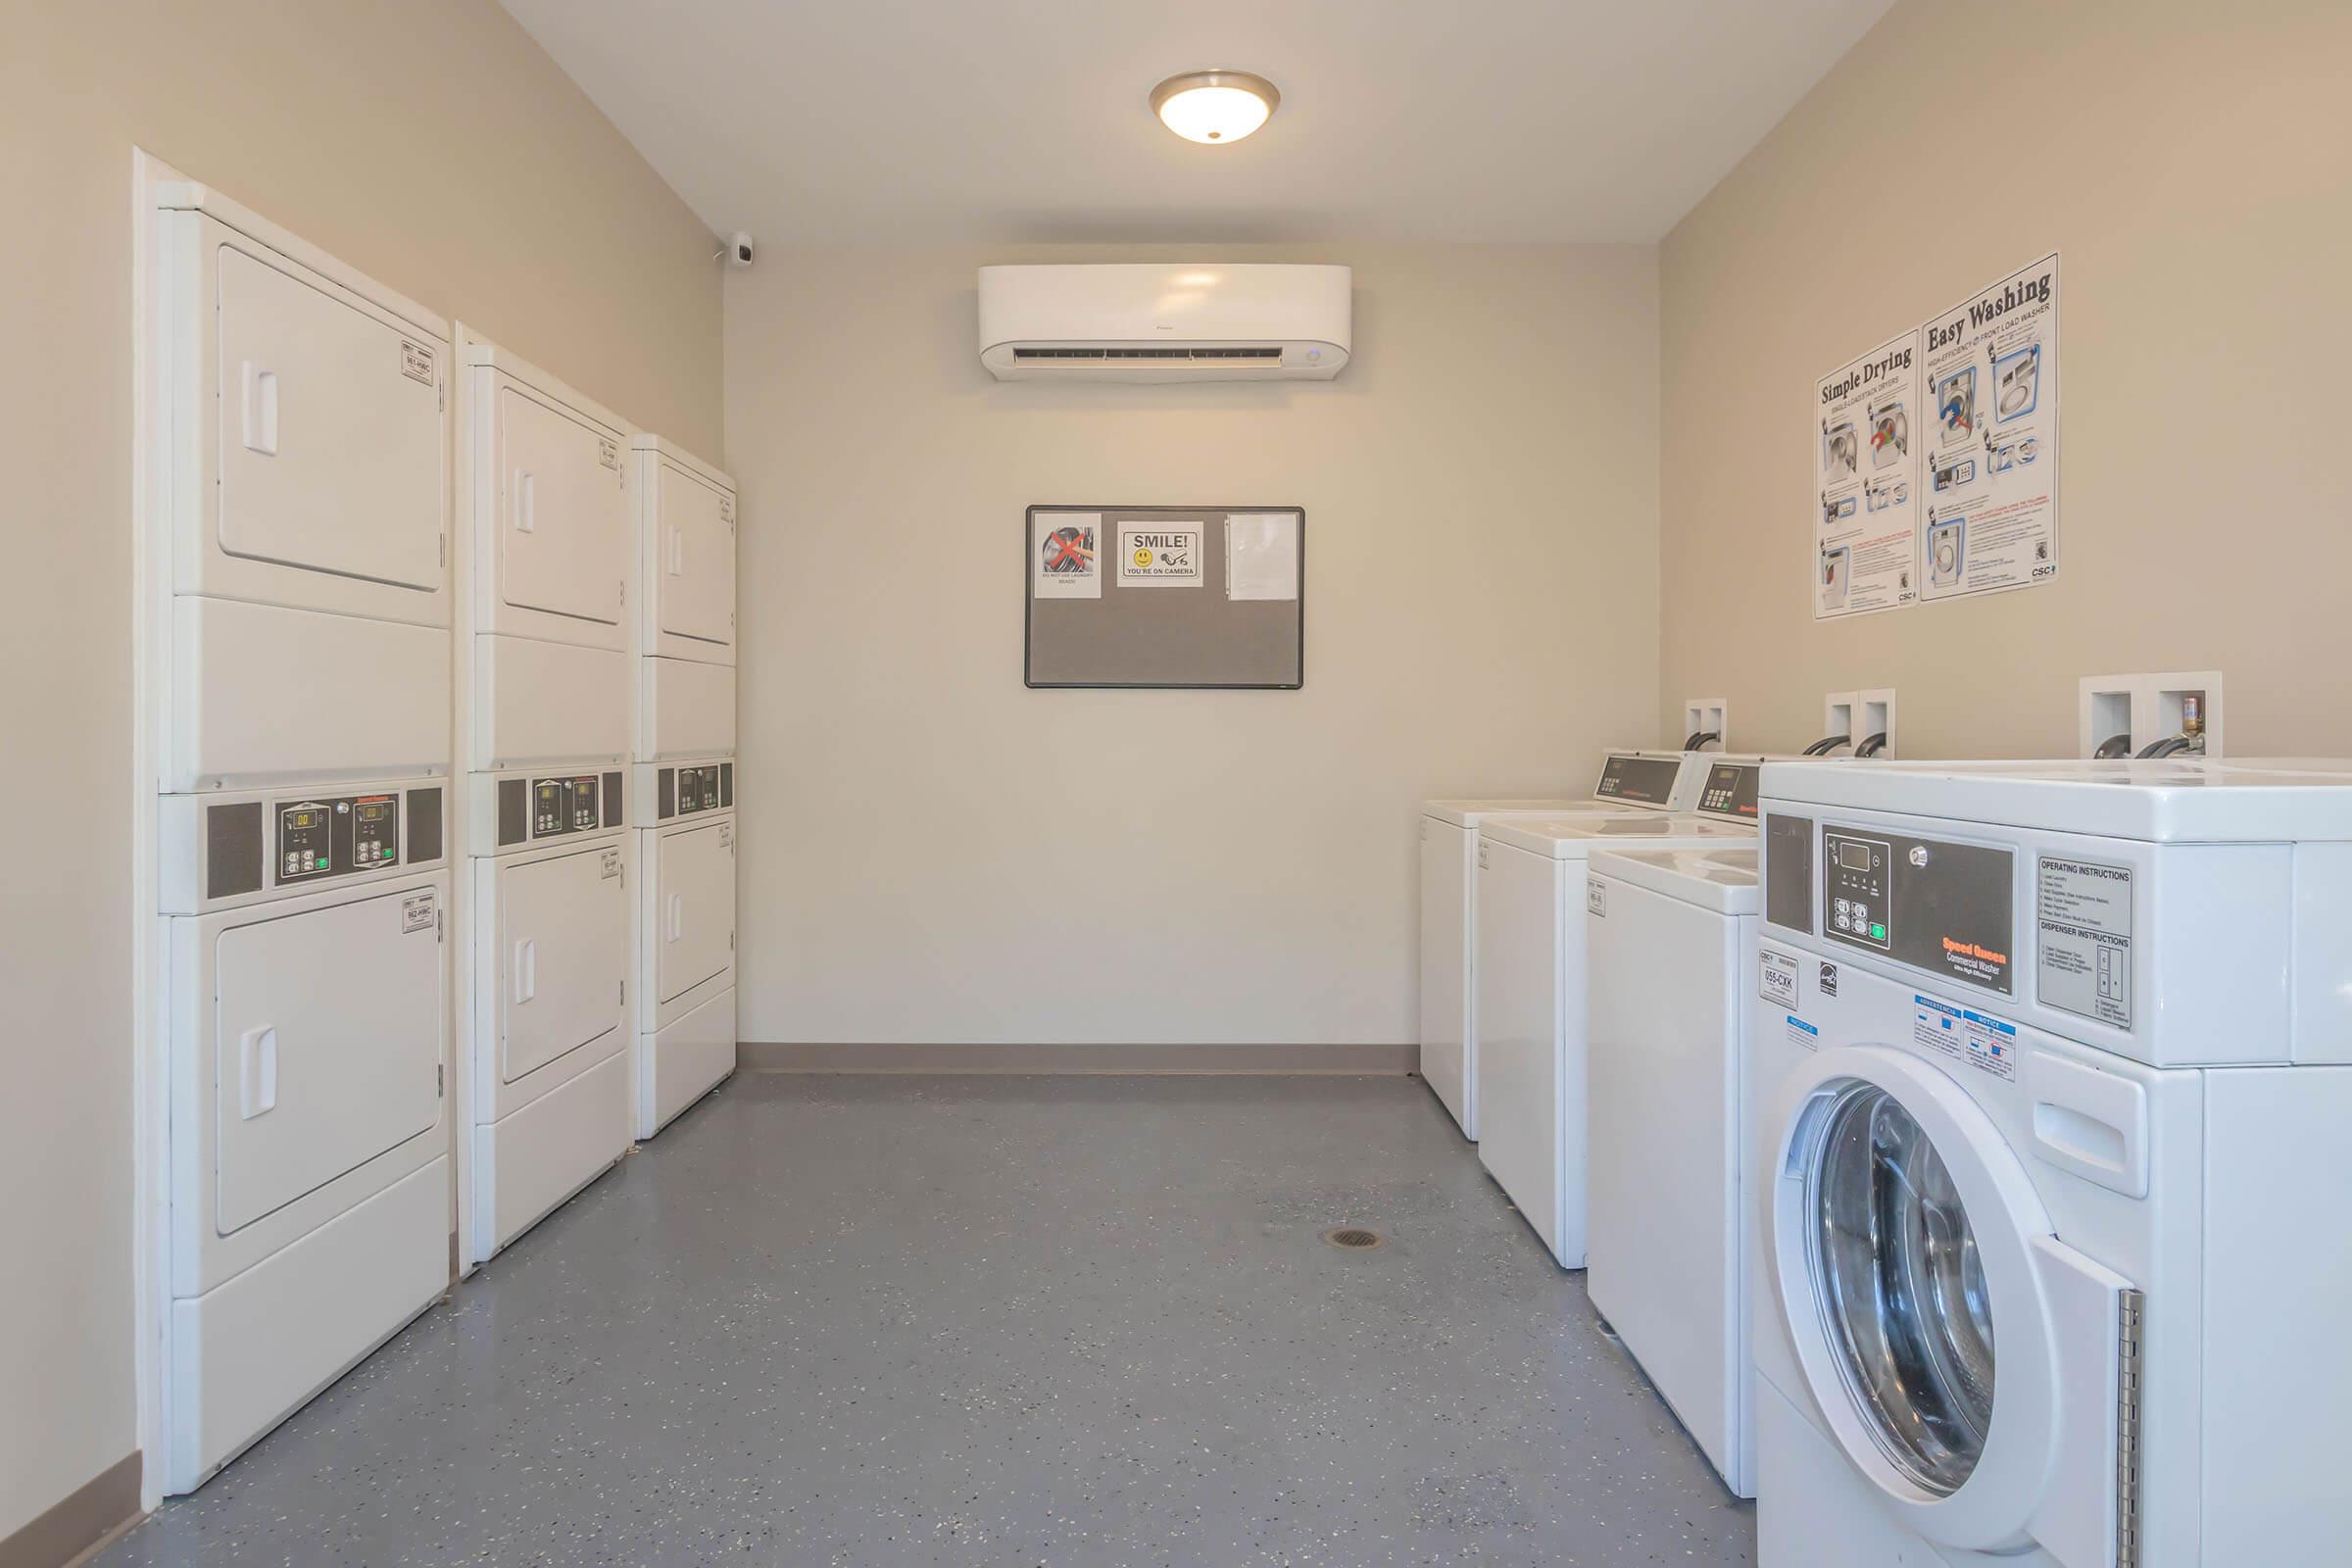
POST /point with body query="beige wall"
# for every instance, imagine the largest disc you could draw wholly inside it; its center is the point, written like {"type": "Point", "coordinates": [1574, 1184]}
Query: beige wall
{"type": "Point", "coordinates": [934, 852]}
{"type": "Point", "coordinates": [2194, 181]}
{"type": "Point", "coordinates": [428, 143]}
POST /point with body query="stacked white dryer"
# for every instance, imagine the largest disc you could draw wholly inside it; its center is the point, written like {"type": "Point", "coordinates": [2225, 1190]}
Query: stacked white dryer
{"type": "Point", "coordinates": [544, 683]}
{"type": "Point", "coordinates": [684, 780]}
{"type": "Point", "coordinates": [299, 631]}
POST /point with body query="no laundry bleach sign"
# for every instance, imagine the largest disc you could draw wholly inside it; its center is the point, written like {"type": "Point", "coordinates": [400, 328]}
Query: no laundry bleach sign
{"type": "Point", "coordinates": [1160, 556]}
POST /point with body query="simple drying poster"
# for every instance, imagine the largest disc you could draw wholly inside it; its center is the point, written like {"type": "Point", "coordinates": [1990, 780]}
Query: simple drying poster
{"type": "Point", "coordinates": [1991, 368]}
{"type": "Point", "coordinates": [1866, 463]}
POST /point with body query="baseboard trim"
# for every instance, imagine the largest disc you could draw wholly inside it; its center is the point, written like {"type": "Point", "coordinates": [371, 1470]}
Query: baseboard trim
{"type": "Point", "coordinates": [1294, 1061]}
{"type": "Point", "coordinates": [91, 1517]}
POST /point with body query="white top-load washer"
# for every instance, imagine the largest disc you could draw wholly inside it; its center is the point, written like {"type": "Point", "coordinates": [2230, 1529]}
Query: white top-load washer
{"type": "Point", "coordinates": [1630, 780]}
{"type": "Point", "coordinates": [1671, 940]}
{"type": "Point", "coordinates": [1530, 972]}
{"type": "Point", "coordinates": [2052, 1069]}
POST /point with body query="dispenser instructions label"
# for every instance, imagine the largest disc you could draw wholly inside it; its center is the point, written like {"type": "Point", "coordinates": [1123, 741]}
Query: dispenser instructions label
{"type": "Point", "coordinates": [1963, 1034]}
{"type": "Point", "coordinates": [1866, 462]}
{"type": "Point", "coordinates": [1778, 983]}
{"type": "Point", "coordinates": [1160, 555]}
{"type": "Point", "coordinates": [2085, 916]}
{"type": "Point", "coordinates": [1990, 462]}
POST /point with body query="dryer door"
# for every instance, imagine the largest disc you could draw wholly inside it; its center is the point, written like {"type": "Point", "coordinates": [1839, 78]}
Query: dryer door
{"type": "Point", "coordinates": [695, 569]}
{"type": "Point", "coordinates": [693, 907]}
{"type": "Point", "coordinates": [564, 519]}
{"type": "Point", "coordinates": [327, 1051]}
{"type": "Point", "coordinates": [564, 929]}
{"type": "Point", "coordinates": [330, 431]}
{"type": "Point", "coordinates": [1945, 1336]}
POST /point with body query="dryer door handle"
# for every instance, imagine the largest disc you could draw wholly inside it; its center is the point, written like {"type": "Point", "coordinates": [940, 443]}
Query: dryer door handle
{"type": "Point", "coordinates": [526, 970]}
{"type": "Point", "coordinates": [257, 1071]}
{"type": "Point", "coordinates": [260, 409]}
{"type": "Point", "coordinates": [676, 917]}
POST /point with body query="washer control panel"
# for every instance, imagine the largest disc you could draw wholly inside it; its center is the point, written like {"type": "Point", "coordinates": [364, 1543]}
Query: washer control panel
{"type": "Point", "coordinates": [1853, 888]}
{"type": "Point", "coordinates": [1731, 791]}
{"type": "Point", "coordinates": [1945, 907]}
{"type": "Point", "coordinates": [334, 836]}
{"type": "Point", "coordinates": [1644, 780]}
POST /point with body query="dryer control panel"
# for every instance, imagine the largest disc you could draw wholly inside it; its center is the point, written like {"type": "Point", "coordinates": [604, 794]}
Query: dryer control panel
{"type": "Point", "coordinates": [688, 790]}
{"type": "Point", "coordinates": [334, 836]}
{"type": "Point", "coordinates": [530, 807]}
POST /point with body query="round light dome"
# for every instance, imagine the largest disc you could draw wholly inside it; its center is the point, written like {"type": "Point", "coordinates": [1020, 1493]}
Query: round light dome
{"type": "Point", "coordinates": [1214, 107]}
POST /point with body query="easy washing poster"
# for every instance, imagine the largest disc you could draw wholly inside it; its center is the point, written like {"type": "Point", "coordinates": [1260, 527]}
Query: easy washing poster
{"type": "Point", "coordinates": [1936, 456]}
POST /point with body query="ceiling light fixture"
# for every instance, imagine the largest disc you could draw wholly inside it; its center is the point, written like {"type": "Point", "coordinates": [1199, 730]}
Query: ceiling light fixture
{"type": "Point", "coordinates": [1214, 107]}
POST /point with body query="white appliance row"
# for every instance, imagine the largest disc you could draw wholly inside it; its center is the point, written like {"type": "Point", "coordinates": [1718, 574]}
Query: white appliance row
{"type": "Point", "coordinates": [388, 733]}
{"type": "Point", "coordinates": [1961, 1157]}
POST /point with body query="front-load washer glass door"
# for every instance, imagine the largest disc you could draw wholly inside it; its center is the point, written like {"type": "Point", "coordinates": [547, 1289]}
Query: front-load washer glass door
{"type": "Point", "coordinates": [1901, 1289]}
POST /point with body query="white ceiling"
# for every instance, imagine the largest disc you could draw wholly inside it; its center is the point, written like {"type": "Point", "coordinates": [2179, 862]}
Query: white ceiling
{"type": "Point", "coordinates": [1005, 120]}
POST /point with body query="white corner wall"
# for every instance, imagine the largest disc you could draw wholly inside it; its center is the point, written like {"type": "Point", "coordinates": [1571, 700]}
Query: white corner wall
{"type": "Point", "coordinates": [934, 854]}
{"type": "Point", "coordinates": [433, 145]}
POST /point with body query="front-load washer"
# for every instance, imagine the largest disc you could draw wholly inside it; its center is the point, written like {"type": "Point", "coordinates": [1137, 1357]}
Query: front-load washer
{"type": "Point", "coordinates": [2050, 1261]}
{"type": "Point", "coordinates": [1629, 779]}
{"type": "Point", "coordinates": [1529, 972]}
{"type": "Point", "coordinates": [1671, 945]}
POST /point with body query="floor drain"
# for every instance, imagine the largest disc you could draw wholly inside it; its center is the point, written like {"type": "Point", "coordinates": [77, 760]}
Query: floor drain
{"type": "Point", "coordinates": [1353, 1238]}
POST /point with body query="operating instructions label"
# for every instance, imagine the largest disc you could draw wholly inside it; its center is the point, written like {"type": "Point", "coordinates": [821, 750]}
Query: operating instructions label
{"type": "Point", "coordinates": [2084, 928]}
{"type": "Point", "coordinates": [1866, 459]}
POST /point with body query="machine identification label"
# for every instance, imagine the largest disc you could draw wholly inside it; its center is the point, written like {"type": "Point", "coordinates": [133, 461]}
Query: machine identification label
{"type": "Point", "coordinates": [610, 866]}
{"type": "Point", "coordinates": [1962, 1034]}
{"type": "Point", "coordinates": [417, 361]}
{"type": "Point", "coordinates": [1801, 1033]}
{"type": "Point", "coordinates": [607, 452]}
{"type": "Point", "coordinates": [1779, 977]}
{"type": "Point", "coordinates": [2085, 948]}
{"type": "Point", "coordinates": [1596, 898]}
{"type": "Point", "coordinates": [416, 912]}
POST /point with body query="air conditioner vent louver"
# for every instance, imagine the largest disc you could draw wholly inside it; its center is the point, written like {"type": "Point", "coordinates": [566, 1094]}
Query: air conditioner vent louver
{"type": "Point", "coordinates": [1179, 321]}
{"type": "Point", "coordinates": [1265, 355]}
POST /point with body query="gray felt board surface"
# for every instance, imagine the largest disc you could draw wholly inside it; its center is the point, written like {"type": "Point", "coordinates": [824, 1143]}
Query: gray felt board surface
{"type": "Point", "coordinates": [1166, 636]}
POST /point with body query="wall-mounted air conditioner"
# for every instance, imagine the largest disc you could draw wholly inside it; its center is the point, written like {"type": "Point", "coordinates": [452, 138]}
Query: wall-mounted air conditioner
{"type": "Point", "coordinates": [1160, 321]}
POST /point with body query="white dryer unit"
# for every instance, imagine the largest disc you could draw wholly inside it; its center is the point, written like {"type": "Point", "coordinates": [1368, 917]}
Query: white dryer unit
{"type": "Point", "coordinates": [1672, 951]}
{"type": "Point", "coordinates": [1531, 968]}
{"type": "Point", "coordinates": [303, 497]}
{"type": "Point", "coordinates": [1629, 779]}
{"type": "Point", "coordinates": [549, 919]}
{"type": "Point", "coordinates": [550, 543]}
{"type": "Point", "coordinates": [307, 1049]}
{"type": "Point", "coordinates": [686, 604]}
{"type": "Point", "coordinates": [2050, 1262]}
{"type": "Point", "coordinates": [686, 982]}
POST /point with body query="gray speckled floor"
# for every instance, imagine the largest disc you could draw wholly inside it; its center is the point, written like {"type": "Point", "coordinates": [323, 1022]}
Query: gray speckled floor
{"type": "Point", "coordinates": [994, 1321]}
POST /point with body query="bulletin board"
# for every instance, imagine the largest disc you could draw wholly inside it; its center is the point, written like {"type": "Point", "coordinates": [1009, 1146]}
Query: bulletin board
{"type": "Point", "coordinates": [1164, 596]}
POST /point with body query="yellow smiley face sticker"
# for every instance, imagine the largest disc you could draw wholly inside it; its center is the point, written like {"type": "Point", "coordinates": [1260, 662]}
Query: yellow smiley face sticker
{"type": "Point", "coordinates": [1143, 559]}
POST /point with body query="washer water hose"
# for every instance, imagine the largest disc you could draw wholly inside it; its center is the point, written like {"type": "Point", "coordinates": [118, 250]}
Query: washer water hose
{"type": "Point", "coordinates": [1825, 746]}
{"type": "Point", "coordinates": [2114, 746]}
{"type": "Point", "coordinates": [1701, 740]}
{"type": "Point", "coordinates": [2170, 746]}
{"type": "Point", "coordinates": [1872, 745]}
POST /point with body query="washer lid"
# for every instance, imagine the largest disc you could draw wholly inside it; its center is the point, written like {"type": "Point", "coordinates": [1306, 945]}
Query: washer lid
{"type": "Point", "coordinates": [1466, 813]}
{"type": "Point", "coordinates": [2262, 800]}
{"type": "Point", "coordinates": [1572, 836]}
{"type": "Point", "coordinates": [1722, 879]}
